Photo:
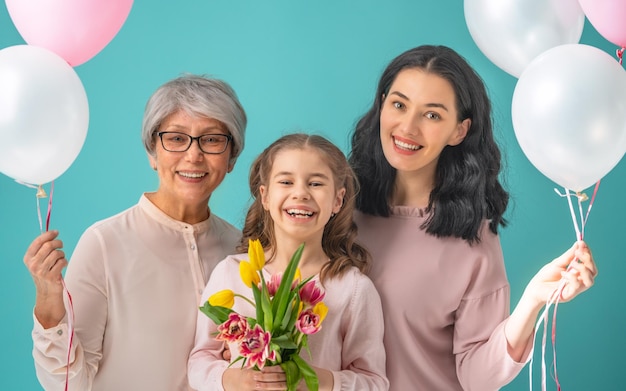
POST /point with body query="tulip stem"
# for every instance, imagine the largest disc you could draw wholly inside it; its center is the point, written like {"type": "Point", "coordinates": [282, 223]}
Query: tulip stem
{"type": "Point", "coordinates": [246, 299]}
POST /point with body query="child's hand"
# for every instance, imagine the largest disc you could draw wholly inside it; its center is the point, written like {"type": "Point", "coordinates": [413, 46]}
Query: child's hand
{"type": "Point", "coordinates": [269, 378]}
{"type": "Point", "coordinates": [575, 266]}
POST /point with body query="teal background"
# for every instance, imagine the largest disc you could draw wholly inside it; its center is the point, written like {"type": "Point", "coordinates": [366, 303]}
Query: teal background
{"type": "Point", "coordinates": [311, 66]}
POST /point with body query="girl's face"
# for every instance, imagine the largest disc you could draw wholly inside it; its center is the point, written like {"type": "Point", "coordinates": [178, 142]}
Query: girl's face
{"type": "Point", "coordinates": [189, 178]}
{"type": "Point", "coordinates": [418, 119]}
{"type": "Point", "coordinates": [300, 195]}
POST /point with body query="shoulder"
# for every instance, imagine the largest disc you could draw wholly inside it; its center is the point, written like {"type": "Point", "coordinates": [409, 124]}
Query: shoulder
{"type": "Point", "coordinates": [486, 260]}
{"type": "Point", "coordinates": [117, 220]}
{"type": "Point", "coordinates": [229, 265]}
{"type": "Point", "coordinates": [224, 227]}
{"type": "Point", "coordinates": [116, 224]}
{"type": "Point", "coordinates": [351, 285]}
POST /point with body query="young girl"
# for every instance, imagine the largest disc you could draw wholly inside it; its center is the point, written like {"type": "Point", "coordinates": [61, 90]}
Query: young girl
{"type": "Point", "coordinates": [429, 209]}
{"type": "Point", "coordinates": [303, 190]}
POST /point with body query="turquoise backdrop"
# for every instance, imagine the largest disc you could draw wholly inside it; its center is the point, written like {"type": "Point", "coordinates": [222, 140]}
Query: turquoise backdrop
{"type": "Point", "coordinates": [311, 66]}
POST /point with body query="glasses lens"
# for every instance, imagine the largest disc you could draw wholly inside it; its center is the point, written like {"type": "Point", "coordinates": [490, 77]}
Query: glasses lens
{"type": "Point", "coordinates": [213, 143]}
{"type": "Point", "coordinates": [175, 142]}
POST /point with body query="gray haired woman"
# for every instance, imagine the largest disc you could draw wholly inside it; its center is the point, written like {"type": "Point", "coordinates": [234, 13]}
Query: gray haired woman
{"type": "Point", "coordinates": [136, 277]}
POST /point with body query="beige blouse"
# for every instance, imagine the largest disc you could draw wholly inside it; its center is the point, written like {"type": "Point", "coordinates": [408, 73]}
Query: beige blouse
{"type": "Point", "coordinates": [135, 280]}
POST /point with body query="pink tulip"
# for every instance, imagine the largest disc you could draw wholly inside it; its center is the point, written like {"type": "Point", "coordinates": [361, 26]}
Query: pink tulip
{"type": "Point", "coordinates": [255, 347]}
{"type": "Point", "coordinates": [308, 322]}
{"type": "Point", "coordinates": [311, 293]}
{"type": "Point", "coordinates": [233, 329]}
{"type": "Point", "coordinates": [274, 283]}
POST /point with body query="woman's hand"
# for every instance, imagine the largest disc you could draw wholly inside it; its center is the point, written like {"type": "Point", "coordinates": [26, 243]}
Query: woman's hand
{"type": "Point", "coordinates": [45, 260]}
{"type": "Point", "coordinates": [575, 267]}
{"type": "Point", "coordinates": [269, 378]}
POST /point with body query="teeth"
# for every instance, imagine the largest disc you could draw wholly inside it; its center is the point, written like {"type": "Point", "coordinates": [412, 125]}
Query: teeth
{"type": "Point", "coordinates": [192, 174]}
{"type": "Point", "coordinates": [404, 145]}
{"type": "Point", "coordinates": [299, 212]}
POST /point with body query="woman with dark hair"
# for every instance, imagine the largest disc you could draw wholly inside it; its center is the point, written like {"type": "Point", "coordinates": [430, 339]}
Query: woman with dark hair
{"type": "Point", "coordinates": [428, 211]}
{"type": "Point", "coordinates": [136, 277]}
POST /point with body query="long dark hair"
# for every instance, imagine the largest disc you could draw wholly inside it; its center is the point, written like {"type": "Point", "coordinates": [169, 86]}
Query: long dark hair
{"type": "Point", "coordinates": [339, 237]}
{"type": "Point", "coordinates": [467, 189]}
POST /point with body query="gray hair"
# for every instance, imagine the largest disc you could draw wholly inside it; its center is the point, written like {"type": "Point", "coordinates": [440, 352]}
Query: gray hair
{"type": "Point", "coordinates": [200, 96]}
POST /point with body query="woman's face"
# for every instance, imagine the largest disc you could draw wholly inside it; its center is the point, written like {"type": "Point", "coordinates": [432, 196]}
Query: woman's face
{"type": "Point", "coordinates": [187, 179]}
{"type": "Point", "coordinates": [418, 120]}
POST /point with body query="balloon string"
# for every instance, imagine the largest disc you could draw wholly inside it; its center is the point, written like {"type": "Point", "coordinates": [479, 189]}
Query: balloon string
{"type": "Point", "coordinates": [620, 53]}
{"type": "Point", "coordinates": [49, 205]}
{"type": "Point", "coordinates": [41, 193]}
{"type": "Point", "coordinates": [70, 325]}
{"type": "Point", "coordinates": [556, 295]}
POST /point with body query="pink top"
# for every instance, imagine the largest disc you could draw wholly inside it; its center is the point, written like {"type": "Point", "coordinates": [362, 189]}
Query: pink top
{"type": "Point", "coordinates": [135, 280]}
{"type": "Point", "coordinates": [350, 343]}
{"type": "Point", "coordinates": [445, 305]}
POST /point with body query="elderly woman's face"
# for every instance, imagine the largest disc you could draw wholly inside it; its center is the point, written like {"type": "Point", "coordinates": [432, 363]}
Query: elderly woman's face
{"type": "Point", "coordinates": [188, 178]}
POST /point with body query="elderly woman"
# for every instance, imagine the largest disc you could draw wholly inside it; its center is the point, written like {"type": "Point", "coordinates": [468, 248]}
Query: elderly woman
{"type": "Point", "coordinates": [136, 278]}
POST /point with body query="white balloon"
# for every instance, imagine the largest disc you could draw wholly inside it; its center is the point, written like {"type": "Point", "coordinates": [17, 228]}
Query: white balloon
{"type": "Point", "coordinates": [511, 33]}
{"type": "Point", "coordinates": [569, 114]}
{"type": "Point", "coordinates": [44, 114]}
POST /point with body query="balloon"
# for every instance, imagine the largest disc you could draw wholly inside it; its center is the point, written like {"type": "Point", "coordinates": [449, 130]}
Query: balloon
{"type": "Point", "coordinates": [44, 114]}
{"type": "Point", "coordinates": [76, 30]}
{"type": "Point", "coordinates": [569, 114]}
{"type": "Point", "coordinates": [607, 16]}
{"type": "Point", "coordinates": [511, 33]}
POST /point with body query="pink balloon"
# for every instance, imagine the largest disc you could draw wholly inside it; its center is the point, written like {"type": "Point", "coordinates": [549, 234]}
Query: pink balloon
{"type": "Point", "coordinates": [76, 30]}
{"type": "Point", "coordinates": [607, 17]}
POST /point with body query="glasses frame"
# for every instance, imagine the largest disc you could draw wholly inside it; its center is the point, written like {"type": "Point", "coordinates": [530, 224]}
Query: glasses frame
{"type": "Point", "coordinates": [229, 138]}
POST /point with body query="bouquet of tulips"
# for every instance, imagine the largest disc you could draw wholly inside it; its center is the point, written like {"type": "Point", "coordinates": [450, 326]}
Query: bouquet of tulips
{"type": "Point", "coordinates": [288, 310]}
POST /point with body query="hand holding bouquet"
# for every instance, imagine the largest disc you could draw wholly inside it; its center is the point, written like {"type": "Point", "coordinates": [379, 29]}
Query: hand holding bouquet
{"type": "Point", "coordinates": [288, 310]}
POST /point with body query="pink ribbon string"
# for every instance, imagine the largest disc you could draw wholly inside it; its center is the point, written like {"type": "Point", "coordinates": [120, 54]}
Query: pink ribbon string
{"type": "Point", "coordinates": [556, 295]}
{"type": "Point", "coordinates": [70, 306]}
{"type": "Point", "coordinates": [70, 325]}
{"type": "Point", "coordinates": [619, 53]}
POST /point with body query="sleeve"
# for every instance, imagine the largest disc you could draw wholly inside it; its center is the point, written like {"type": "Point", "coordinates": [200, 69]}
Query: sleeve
{"type": "Point", "coordinates": [86, 282]}
{"type": "Point", "coordinates": [480, 345]}
{"type": "Point", "coordinates": [363, 353]}
{"type": "Point", "coordinates": [206, 366]}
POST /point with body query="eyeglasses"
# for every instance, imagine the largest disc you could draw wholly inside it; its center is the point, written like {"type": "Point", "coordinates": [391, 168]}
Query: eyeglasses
{"type": "Point", "coordinates": [181, 142]}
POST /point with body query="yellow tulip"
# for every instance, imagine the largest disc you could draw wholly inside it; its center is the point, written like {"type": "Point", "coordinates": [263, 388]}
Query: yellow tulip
{"type": "Point", "coordinates": [298, 276]}
{"type": "Point", "coordinates": [248, 275]}
{"type": "Point", "coordinates": [256, 254]}
{"type": "Point", "coordinates": [224, 298]}
{"type": "Point", "coordinates": [321, 310]}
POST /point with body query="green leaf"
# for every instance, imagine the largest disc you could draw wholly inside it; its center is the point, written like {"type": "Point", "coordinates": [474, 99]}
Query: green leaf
{"type": "Point", "coordinates": [238, 359]}
{"type": "Point", "coordinates": [305, 345]}
{"type": "Point", "coordinates": [284, 342]}
{"type": "Point", "coordinates": [310, 377]}
{"type": "Point", "coordinates": [288, 313]}
{"type": "Point", "coordinates": [293, 374]}
{"type": "Point", "coordinates": [281, 299]}
{"type": "Point", "coordinates": [257, 299]}
{"type": "Point", "coordinates": [266, 305]}
{"type": "Point", "coordinates": [217, 314]}
{"type": "Point", "coordinates": [294, 316]}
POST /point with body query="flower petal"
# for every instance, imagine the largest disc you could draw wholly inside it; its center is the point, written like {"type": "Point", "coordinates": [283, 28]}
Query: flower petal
{"type": "Point", "coordinates": [256, 254]}
{"type": "Point", "coordinates": [248, 275]}
{"type": "Point", "coordinates": [223, 298]}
